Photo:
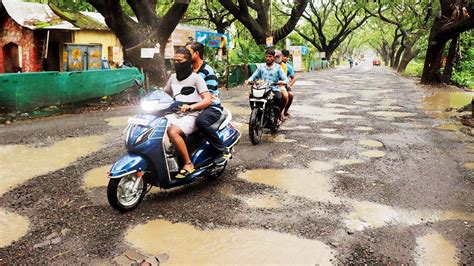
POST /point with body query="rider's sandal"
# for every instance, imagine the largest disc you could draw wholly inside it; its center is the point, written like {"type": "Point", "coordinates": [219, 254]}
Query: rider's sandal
{"type": "Point", "coordinates": [184, 173]}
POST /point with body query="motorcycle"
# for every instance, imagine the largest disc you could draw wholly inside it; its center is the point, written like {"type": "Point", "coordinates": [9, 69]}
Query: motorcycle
{"type": "Point", "coordinates": [152, 160]}
{"type": "Point", "coordinates": [264, 111]}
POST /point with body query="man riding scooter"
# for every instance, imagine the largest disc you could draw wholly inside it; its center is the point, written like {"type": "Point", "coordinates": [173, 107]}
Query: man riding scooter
{"type": "Point", "coordinates": [184, 123]}
{"type": "Point", "coordinates": [214, 112]}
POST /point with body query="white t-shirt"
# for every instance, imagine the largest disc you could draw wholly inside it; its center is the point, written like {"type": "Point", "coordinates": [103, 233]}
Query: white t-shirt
{"type": "Point", "coordinates": [174, 87]}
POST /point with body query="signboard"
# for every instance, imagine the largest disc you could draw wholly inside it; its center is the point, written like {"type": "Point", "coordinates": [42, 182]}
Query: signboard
{"type": "Point", "coordinates": [148, 52]}
{"type": "Point", "coordinates": [304, 50]}
{"type": "Point", "coordinates": [181, 36]}
{"type": "Point", "coordinates": [169, 49]}
{"type": "Point", "coordinates": [297, 57]}
{"type": "Point", "coordinates": [269, 41]}
{"type": "Point", "coordinates": [213, 39]}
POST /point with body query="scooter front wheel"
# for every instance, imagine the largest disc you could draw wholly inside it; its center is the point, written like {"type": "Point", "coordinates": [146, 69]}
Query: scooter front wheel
{"type": "Point", "coordinates": [255, 126]}
{"type": "Point", "coordinates": [124, 194]}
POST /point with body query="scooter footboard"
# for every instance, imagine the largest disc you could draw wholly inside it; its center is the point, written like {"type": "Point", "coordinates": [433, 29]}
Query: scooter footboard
{"type": "Point", "coordinates": [128, 164]}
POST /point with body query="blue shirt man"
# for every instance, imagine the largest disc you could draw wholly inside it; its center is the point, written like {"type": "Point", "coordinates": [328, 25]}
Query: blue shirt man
{"type": "Point", "coordinates": [271, 72]}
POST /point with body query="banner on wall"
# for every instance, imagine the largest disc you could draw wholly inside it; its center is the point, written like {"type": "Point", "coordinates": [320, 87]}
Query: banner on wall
{"type": "Point", "coordinates": [213, 39]}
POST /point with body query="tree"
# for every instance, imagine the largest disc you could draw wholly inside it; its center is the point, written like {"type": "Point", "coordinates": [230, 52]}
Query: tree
{"type": "Point", "coordinates": [330, 23]}
{"type": "Point", "coordinates": [260, 27]}
{"type": "Point", "coordinates": [216, 14]}
{"type": "Point", "coordinates": [147, 31]}
{"type": "Point", "coordinates": [456, 17]}
{"type": "Point", "coordinates": [411, 21]}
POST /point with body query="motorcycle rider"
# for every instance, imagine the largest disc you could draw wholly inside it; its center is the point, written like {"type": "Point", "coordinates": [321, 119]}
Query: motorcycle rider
{"type": "Point", "coordinates": [184, 123]}
{"type": "Point", "coordinates": [271, 72]}
{"type": "Point", "coordinates": [284, 92]}
{"type": "Point", "coordinates": [211, 114]}
{"type": "Point", "coordinates": [292, 79]}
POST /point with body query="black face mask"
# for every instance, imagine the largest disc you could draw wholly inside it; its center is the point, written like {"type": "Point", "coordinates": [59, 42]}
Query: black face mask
{"type": "Point", "coordinates": [183, 70]}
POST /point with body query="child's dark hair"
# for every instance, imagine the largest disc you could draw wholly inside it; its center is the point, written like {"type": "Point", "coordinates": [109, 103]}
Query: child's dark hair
{"type": "Point", "coordinates": [285, 53]}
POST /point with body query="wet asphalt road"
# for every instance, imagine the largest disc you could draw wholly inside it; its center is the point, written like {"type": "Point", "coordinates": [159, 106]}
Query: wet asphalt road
{"type": "Point", "coordinates": [364, 172]}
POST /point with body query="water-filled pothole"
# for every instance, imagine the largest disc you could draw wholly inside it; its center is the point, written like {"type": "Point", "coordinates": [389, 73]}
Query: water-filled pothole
{"type": "Point", "coordinates": [12, 227]}
{"type": "Point", "coordinates": [186, 244]}
{"type": "Point", "coordinates": [42, 160]}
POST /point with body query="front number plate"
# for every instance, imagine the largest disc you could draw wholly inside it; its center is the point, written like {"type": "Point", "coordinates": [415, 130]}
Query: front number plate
{"type": "Point", "coordinates": [138, 121]}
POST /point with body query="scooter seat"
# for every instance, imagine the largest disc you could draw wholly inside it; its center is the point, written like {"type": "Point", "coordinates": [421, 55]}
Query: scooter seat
{"type": "Point", "coordinates": [219, 122]}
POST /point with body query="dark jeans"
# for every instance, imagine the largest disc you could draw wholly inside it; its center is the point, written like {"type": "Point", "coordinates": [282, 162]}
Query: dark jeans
{"type": "Point", "coordinates": [204, 121]}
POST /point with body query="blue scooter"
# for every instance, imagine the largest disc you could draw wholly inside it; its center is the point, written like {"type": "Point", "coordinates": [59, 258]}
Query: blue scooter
{"type": "Point", "coordinates": [153, 161]}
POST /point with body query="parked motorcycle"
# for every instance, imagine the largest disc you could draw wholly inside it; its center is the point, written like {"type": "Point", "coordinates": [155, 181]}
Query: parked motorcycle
{"type": "Point", "coordinates": [152, 160]}
{"type": "Point", "coordinates": [264, 110]}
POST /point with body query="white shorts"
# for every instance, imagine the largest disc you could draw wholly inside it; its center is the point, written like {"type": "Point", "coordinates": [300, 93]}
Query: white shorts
{"type": "Point", "coordinates": [187, 123]}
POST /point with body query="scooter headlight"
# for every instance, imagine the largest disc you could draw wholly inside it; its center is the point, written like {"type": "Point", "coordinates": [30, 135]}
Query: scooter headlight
{"type": "Point", "coordinates": [153, 106]}
{"type": "Point", "coordinates": [144, 136]}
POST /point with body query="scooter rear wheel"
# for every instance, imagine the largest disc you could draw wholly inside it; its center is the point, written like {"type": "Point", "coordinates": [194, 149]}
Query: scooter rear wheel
{"type": "Point", "coordinates": [255, 127]}
{"type": "Point", "coordinates": [121, 194]}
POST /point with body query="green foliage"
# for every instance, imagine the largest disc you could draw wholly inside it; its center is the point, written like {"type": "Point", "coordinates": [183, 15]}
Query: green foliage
{"type": "Point", "coordinates": [414, 69]}
{"type": "Point", "coordinates": [246, 51]}
{"type": "Point", "coordinates": [463, 72]}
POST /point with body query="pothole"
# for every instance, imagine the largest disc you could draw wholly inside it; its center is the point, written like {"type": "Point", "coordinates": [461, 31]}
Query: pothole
{"type": "Point", "coordinates": [185, 244]}
{"type": "Point", "coordinates": [42, 160]}
{"type": "Point", "coordinates": [12, 227]}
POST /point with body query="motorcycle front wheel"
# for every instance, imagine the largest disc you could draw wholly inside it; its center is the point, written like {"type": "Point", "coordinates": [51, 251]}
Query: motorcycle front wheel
{"type": "Point", "coordinates": [255, 126]}
{"type": "Point", "coordinates": [124, 194]}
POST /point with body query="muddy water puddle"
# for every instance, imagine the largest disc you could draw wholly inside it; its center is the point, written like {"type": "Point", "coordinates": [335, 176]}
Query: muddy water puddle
{"type": "Point", "coordinates": [371, 143]}
{"type": "Point", "coordinates": [449, 127]}
{"type": "Point", "coordinates": [280, 138]}
{"type": "Point", "coordinates": [349, 161]}
{"type": "Point", "coordinates": [328, 130]}
{"type": "Point", "coordinates": [320, 149]}
{"type": "Point", "coordinates": [332, 136]}
{"type": "Point", "coordinates": [343, 106]}
{"type": "Point", "coordinates": [388, 114]}
{"type": "Point", "coordinates": [304, 83]}
{"type": "Point", "coordinates": [370, 214]}
{"type": "Point", "coordinates": [322, 114]}
{"type": "Point", "coordinates": [297, 182]}
{"type": "Point", "coordinates": [439, 101]}
{"type": "Point", "coordinates": [12, 227]}
{"type": "Point", "coordinates": [97, 177]}
{"type": "Point", "coordinates": [469, 165]}
{"type": "Point", "coordinates": [295, 128]}
{"type": "Point", "coordinates": [185, 244]}
{"type": "Point", "coordinates": [262, 202]}
{"type": "Point", "coordinates": [237, 109]}
{"type": "Point", "coordinates": [333, 96]}
{"type": "Point", "coordinates": [42, 160]}
{"type": "Point", "coordinates": [282, 157]}
{"type": "Point", "coordinates": [363, 128]}
{"type": "Point", "coordinates": [434, 249]}
{"type": "Point", "coordinates": [373, 153]}
{"type": "Point", "coordinates": [120, 121]}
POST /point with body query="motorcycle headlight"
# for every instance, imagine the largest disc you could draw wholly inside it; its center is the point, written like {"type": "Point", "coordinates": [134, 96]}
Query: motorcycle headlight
{"type": "Point", "coordinates": [258, 92]}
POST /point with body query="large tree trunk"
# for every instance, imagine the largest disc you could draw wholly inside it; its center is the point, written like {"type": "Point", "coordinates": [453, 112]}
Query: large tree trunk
{"type": "Point", "coordinates": [448, 68]}
{"type": "Point", "coordinates": [449, 25]}
{"type": "Point", "coordinates": [408, 55]}
{"type": "Point", "coordinates": [433, 56]}
{"type": "Point", "coordinates": [398, 55]}
{"type": "Point", "coordinates": [149, 31]}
